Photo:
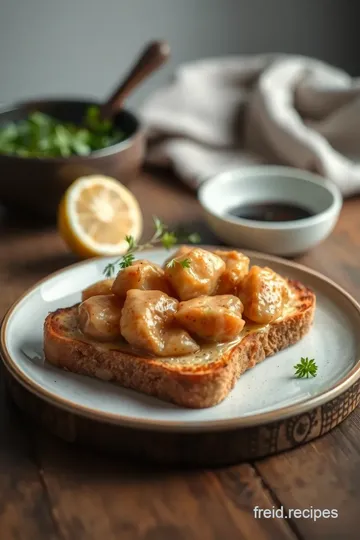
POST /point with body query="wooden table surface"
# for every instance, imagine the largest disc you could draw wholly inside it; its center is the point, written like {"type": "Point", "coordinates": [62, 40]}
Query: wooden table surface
{"type": "Point", "coordinates": [52, 490]}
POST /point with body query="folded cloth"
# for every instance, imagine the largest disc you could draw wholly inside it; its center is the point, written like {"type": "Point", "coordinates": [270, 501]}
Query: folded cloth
{"type": "Point", "coordinates": [223, 113]}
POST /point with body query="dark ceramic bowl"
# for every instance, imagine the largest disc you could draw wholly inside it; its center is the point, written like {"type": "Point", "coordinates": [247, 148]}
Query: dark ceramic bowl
{"type": "Point", "coordinates": [36, 185]}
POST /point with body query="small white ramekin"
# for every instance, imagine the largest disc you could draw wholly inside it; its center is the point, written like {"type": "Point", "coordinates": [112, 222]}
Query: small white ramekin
{"type": "Point", "coordinates": [271, 184]}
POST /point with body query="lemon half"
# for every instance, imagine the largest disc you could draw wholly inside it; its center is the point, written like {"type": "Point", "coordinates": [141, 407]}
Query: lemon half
{"type": "Point", "coordinates": [96, 214]}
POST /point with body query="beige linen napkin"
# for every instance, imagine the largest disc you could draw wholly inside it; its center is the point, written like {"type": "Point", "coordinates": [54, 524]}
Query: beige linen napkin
{"type": "Point", "coordinates": [222, 113]}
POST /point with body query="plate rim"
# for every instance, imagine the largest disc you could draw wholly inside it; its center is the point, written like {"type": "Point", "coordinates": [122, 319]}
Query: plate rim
{"type": "Point", "coordinates": [255, 420]}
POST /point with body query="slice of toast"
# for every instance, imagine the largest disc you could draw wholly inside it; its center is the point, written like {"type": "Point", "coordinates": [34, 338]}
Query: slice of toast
{"type": "Point", "coordinates": [194, 381]}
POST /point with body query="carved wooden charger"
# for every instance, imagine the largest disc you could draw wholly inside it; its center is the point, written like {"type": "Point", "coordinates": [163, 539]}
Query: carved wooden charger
{"type": "Point", "coordinates": [268, 411]}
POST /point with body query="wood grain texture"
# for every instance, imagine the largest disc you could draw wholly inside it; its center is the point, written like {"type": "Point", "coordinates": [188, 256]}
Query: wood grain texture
{"type": "Point", "coordinates": [25, 511]}
{"type": "Point", "coordinates": [325, 475]}
{"type": "Point", "coordinates": [52, 490]}
{"type": "Point", "coordinates": [100, 498]}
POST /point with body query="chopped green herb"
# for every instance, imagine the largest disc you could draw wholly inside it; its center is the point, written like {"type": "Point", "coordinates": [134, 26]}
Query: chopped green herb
{"type": "Point", "coordinates": [194, 238]}
{"type": "Point", "coordinates": [131, 242]}
{"type": "Point", "coordinates": [159, 226]}
{"type": "Point", "coordinates": [171, 263]}
{"type": "Point", "coordinates": [161, 236]}
{"type": "Point", "coordinates": [168, 240]}
{"type": "Point", "coordinates": [127, 260]}
{"type": "Point", "coordinates": [305, 368]}
{"type": "Point", "coordinates": [41, 135]}
{"type": "Point", "coordinates": [109, 270]}
{"type": "Point", "coordinates": [185, 263]}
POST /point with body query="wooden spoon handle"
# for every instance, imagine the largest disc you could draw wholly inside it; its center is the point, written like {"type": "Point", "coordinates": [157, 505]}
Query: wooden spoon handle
{"type": "Point", "coordinates": [153, 56]}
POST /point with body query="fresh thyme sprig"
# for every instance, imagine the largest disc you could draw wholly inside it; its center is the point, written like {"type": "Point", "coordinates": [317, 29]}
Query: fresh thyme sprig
{"type": "Point", "coordinates": [305, 368]}
{"type": "Point", "coordinates": [185, 263]}
{"type": "Point", "coordinates": [162, 236]}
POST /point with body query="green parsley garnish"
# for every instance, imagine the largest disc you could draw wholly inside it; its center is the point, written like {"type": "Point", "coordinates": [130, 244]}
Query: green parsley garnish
{"type": "Point", "coordinates": [185, 263]}
{"type": "Point", "coordinates": [168, 240]}
{"type": "Point", "coordinates": [41, 135]}
{"type": "Point", "coordinates": [162, 236]}
{"type": "Point", "coordinates": [306, 368]}
{"type": "Point", "coordinates": [194, 238]}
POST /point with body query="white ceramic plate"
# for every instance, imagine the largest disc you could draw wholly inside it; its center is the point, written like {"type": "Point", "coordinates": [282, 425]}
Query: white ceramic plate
{"type": "Point", "coordinates": [269, 392]}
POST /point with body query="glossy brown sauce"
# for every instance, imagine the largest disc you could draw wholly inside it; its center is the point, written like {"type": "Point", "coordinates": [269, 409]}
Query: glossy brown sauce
{"type": "Point", "coordinates": [270, 211]}
{"type": "Point", "coordinates": [208, 353]}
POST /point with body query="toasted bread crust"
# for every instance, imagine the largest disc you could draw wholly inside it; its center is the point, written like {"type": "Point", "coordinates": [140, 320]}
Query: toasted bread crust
{"type": "Point", "coordinates": [193, 387]}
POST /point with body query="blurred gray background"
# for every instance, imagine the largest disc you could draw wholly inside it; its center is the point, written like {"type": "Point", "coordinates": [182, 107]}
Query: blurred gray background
{"type": "Point", "coordinates": [81, 47]}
